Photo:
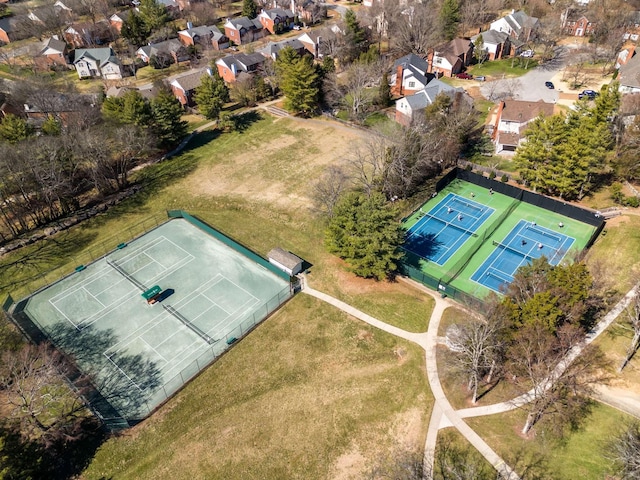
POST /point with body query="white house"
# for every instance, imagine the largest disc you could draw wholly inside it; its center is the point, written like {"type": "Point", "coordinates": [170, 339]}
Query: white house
{"type": "Point", "coordinates": [411, 107]}
{"type": "Point", "coordinates": [629, 76]}
{"type": "Point", "coordinates": [97, 62]}
{"type": "Point", "coordinates": [517, 25]}
{"type": "Point", "coordinates": [410, 75]}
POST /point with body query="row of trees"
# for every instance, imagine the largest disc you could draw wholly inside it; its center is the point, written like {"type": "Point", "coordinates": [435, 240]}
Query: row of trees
{"type": "Point", "coordinates": [78, 155]}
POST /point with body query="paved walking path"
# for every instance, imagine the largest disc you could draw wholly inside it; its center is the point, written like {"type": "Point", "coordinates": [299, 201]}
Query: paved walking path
{"type": "Point", "coordinates": [442, 408]}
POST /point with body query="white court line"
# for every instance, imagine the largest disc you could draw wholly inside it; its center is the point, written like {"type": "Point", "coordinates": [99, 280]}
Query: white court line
{"type": "Point", "coordinates": [123, 373]}
{"type": "Point", "coordinates": [152, 348]}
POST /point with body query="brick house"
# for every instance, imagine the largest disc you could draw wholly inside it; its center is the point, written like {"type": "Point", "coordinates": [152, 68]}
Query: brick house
{"type": "Point", "coordinates": [231, 66]}
{"type": "Point", "coordinates": [87, 34]}
{"type": "Point", "coordinates": [54, 53]}
{"type": "Point", "coordinates": [312, 41]}
{"type": "Point", "coordinates": [272, 49]}
{"type": "Point", "coordinates": [276, 20]}
{"type": "Point", "coordinates": [184, 87]}
{"type": "Point", "coordinates": [576, 24]}
{"type": "Point", "coordinates": [243, 30]}
{"type": "Point", "coordinates": [174, 48]}
{"type": "Point", "coordinates": [511, 120]}
{"type": "Point", "coordinates": [117, 19]}
{"type": "Point", "coordinates": [450, 58]}
{"type": "Point", "coordinates": [409, 75]}
{"type": "Point", "coordinates": [8, 29]}
{"type": "Point", "coordinates": [206, 35]}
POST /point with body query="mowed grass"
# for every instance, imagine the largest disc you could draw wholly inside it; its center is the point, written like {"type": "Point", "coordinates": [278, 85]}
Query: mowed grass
{"type": "Point", "coordinates": [310, 384]}
{"type": "Point", "coordinates": [306, 387]}
{"type": "Point", "coordinates": [581, 455]}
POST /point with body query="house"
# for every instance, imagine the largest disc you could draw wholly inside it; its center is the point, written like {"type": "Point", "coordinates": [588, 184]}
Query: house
{"type": "Point", "coordinates": [65, 107]}
{"type": "Point", "coordinates": [629, 76]}
{"type": "Point", "coordinates": [498, 45]}
{"type": "Point", "coordinates": [625, 55]}
{"type": "Point", "coordinates": [517, 25]}
{"type": "Point", "coordinates": [148, 92]}
{"type": "Point", "coordinates": [54, 52]}
{"type": "Point", "coordinates": [46, 14]}
{"type": "Point", "coordinates": [511, 121]}
{"type": "Point", "coordinates": [409, 75]}
{"type": "Point", "coordinates": [410, 109]}
{"type": "Point", "coordinates": [632, 28]}
{"type": "Point", "coordinates": [117, 19]}
{"type": "Point", "coordinates": [8, 30]}
{"type": "Point", "coordinates": [206, 35]}
{"type": "Point", "coordinates": [170, 5]}
{"type": "Point", "coordinates": [576, 24]}
{"type": "Point", "coordinates": [173, 48]}
{"type": "Point", "coordinates": [231, 66]}
{"type": "Point", "coordinates": [285, 261]}
{"type": "Point", "coordinates": [97, 62]}
{"type": "Point", "coordinates": [243, 30]}
{"type": "Point", "coordinates": [450, 58]}
{"type": "Point", "coordinates": [87, 34]}
{"type": "Point", "coordinates": [312, 40]}
{"type": "Point", "coordinates": [184, 87]}
{"type": "Point", "coordinates": [272, 49]}
{"type": "Point", "coordinates": [276, 20]}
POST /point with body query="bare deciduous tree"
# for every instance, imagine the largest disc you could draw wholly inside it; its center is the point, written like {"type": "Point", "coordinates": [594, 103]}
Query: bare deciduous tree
{"type": "Point", "coordinates": [631, 319]}
{"type": "Point", "coordinates": [328, 189]}
{"type": "Point", "coordinates": [624, 450]}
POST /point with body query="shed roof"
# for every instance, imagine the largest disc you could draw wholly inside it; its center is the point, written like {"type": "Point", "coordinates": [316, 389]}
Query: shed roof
{"type": "Point", "coordinates": [284, 258]}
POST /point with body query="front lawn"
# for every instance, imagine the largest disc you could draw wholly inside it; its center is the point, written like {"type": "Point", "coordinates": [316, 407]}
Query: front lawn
{"type": "Point", "coordinates": [509, 67]}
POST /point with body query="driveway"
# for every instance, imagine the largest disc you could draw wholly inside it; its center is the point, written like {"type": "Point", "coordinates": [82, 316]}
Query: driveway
{"type": "Point", "coordinates": [530, 86]}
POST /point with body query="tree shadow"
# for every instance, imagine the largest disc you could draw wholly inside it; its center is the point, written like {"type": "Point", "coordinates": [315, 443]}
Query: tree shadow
{"type": "Point", "coordinates": [200, 139]}
{"type": "Point", "coordinates": [243, 121]}
{"type": "Point", "coordinates": [489, 387]}
{"type": "Point", "coordinates": [422, 245]}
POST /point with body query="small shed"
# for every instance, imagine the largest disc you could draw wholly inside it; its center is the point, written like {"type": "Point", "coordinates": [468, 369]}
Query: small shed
{"type": "Point", "coordinates": [285, 261]}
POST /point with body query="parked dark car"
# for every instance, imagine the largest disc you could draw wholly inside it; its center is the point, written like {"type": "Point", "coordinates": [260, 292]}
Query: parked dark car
{"type": "Point", "coordinates": [464, 76]}
{"type": "Point", "coordinates": [549, 85]}
{"type": "Point", "coordinates": [590, 94]}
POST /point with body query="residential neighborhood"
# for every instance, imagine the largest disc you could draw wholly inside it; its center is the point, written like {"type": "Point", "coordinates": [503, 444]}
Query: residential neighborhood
{"type": "Point", "coordinates": [320, 239]}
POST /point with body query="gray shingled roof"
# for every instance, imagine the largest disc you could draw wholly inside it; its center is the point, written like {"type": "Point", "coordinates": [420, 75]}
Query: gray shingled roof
{"type": "Point", "coordinates": [242, 60]}
{"type": "Point", "coordinates": [245, 22]}
{"type": "Point", "coordinates": [412, 59]}
{"type": "Point", "coordinates": [273, 13]}
{"type": "Point", "coordinates": [54, 44]}
{"type": "Point", "coordinates": [287, 259]}
{"type": "Point", "coordinates": [201, 31]}
{"type": "Point", "coordinates": [190, 81]}
{"type": "Point", "coordinates": [492, 37]}
{"type": "Point", "coordinates": [273, 48]}
{"type": "Point", "coordinates": [100, 54]}
{"type": "Point", "coordinates": [629, 73]}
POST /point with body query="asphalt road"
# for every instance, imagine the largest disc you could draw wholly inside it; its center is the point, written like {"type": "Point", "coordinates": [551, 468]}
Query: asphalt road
{"type": "Point", "coordinates": [530, 86]}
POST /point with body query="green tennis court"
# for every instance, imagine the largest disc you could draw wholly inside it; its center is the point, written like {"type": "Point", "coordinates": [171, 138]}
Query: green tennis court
{"type": "Point", "coordinates": [455, 275]}
{"type": "Point", "coordinates": [139, 353]}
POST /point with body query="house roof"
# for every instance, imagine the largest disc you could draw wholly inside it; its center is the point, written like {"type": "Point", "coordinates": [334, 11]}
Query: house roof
{"type": "Point", "coordinates": [508, 138]}
{"type": "Point", "coordinates": [168, 46]}
{"type": "Point", "coordinates": [189, 81]}
{"type": "Point", "coordinates": [453, 49]}
{"type": "Point", "coordinates": [629, 73]}
{"type": "Point", "coordinates": [573, 14]}
{"type": "Point", "coordinates": [492, 37]}
{"type": "Point", "coordinates": [121, 16]}
{"type": "Point", "coordinates": [61, 102]}
{"type": "Point", "coordinates": [101, 55]}
{"type": "Point", "coordinates": [273, 48]}
{"type": "Point", "coordinates": [419, 64]}
{"type": "Point", "coordinates": [274, 13]}
{"type": "Point", "coordinates": [522, 111]}
{"type": "Point", "coordinates": [53, 44]}
{"type": "Point", "coordinates": [243, 22]}
{"type": "Point", "coordinates": [426, 96]}
{"type": "Point", "coordinates": [241, 61]}
{"type": "Point", "coordinates": [201, 31]}
{"type": "Point", "coordinates": [169, 3]}
{"type": "Point", "coordinates": [8, 24]}
{"type": "Point", "coordinates": [284, 258]}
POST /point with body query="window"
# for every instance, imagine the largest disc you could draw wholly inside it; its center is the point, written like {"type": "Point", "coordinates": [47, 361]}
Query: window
{"type": "Point", "coordinates": [437, 60]}
{"type": "Point", "coordinates": [412, 84]}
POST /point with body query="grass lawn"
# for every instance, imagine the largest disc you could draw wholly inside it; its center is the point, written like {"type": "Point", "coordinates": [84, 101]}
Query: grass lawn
{"type": "Point", "coordinates": [316, 384]}
{"type": "Point", "coordinates": [509, 67]}
{"type": "Point", "coordinates": [308, 387]}
{"type": "Point", "coordinates": [579, 455]}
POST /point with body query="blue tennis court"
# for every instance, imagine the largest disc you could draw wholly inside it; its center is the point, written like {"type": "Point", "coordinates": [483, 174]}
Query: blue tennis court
{"type": "Point", "coordinates": [525, 242]}
{"type": "Point", "coordinates": [441, 231]}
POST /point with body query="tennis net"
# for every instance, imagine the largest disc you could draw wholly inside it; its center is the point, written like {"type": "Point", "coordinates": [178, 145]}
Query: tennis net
{"type": "Point", "coordinates": [169, 309]}
{"type": "Point", "coordinates": [121, 271]}
{"type": "Point", "coordinates": [450, 224]}
{"type": "Point", "coordinates": [513, 250]}
{"type": "Point", "coordinates": [467, 204]}
{"type": "Point", "coordinates": [544, 233]}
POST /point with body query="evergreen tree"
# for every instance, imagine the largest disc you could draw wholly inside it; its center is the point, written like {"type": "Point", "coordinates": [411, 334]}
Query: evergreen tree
{"type": "Point", "coordinates": [130, 109]}
{"type": "Point", "coordinates": [300, 86]}
{"type": "Point", "coordinates": [134, 30]}
{"type": "Point", "coordinates": [51, 127]}
{"type": "Point", "coordinates": [211, 95]}
{"type": "Point", "coordinates": [14, 129]}
{"type": "Point", "coordinates": [168, 125]}
{"type": "Point", "coordinates": [384, 91]}
{"type": "Point", "coordinates": [478, 50]}
{"type": "Point", "coordinates": [355, 40]}
{"type": "Point", "coordinates": [153, 14]}
{"type": "Point", "coordinates": [364, 232]}
{"type": "Point", "coordinates": [449, 18]}
{"type": "Point", "coordinates": [249, 9]}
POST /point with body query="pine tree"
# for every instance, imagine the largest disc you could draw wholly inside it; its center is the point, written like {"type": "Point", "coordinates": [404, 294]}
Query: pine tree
{"type": "Point", "coordinates": [211, 95]}
{"type": "Point", "coordinates": [14, 129]}
{"type": "Point", "coordinates": [384, 91]}
{"type": "Point", "coordinates": [364, 232]}
{"type": "Point", "coordinates": [153, 14]}
{"type": "Point", "coordinates": [51, 127]}
{"type": "Point", "coordinates": [449, 18]}
{"type": "Point", "coordinates": [168, 125]}
{"type": "Point", "coordinates": [249, 9]}
{"type": "Point", "coordinates": [300, 86]}
{"type": "Point", "coordinates": [134, 30]}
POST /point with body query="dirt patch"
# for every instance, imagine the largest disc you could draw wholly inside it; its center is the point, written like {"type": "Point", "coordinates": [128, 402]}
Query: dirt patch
{"type": "Point", "coordinates": [350, 465]}
{"type": "Point", "coordinates": [279, 171]}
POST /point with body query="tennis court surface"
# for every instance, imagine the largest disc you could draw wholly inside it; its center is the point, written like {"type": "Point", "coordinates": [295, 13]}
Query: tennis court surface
{"type": "Point", "coordinates": [524, 243]}
{"type": "Point", "coordinates": [140, 353]}
{"type": "Point", "coordinates": [441, 231]}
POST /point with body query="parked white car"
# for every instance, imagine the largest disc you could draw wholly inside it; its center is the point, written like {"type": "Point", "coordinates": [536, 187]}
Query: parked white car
{"type": "Point", "coordinates": [527, 53]}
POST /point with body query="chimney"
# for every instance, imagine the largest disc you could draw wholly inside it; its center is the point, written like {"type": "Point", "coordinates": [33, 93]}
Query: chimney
{"type": "Point", "coordinates": [316, 47]}
{"type": "Point", "coordinates": [209, 72]}
{"type": "Point", "coordinates": [275, 4]}
{"type": "Point", "coordinates": [189, 25]}
{"type": "Point", "coordinates": [399, 72]}
{"type": "Point", "coordinates": [293, 6]}
{"type": "Point", "coordinates": [234, 70]}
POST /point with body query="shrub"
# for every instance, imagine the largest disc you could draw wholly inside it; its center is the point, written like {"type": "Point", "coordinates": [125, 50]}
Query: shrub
{"type": "Point", "coordinates": [468, 168]}
{"type": "Point", "coordinates": [616, 193]}
{"type": "Point", "coordinates": [504, 178]}
{"type": "Point", "coordinates": [632, 201]}
{"type": "Point", "coordinates": [492, 175]}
